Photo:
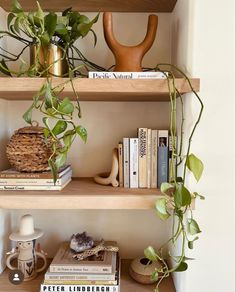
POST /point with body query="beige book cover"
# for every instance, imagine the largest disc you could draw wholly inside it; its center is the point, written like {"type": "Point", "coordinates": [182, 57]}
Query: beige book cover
{"type": "Point", "coordinates": [63, 261]}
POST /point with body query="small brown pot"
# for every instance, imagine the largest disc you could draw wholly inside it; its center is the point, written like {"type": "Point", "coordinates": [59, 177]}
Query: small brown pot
{"type": "Point", "coordinates": [50, 56]}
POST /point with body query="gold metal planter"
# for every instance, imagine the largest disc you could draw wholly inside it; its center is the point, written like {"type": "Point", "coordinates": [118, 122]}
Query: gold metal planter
{"type": "Point", "coordinates": [50, 60]}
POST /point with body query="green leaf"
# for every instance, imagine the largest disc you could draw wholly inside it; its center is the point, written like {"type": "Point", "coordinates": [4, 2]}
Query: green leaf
{"type": "Point", "coordinates": [59, 128]}
{"type": "Point", "coordinates": [66, 107]}
{"type": "Point", "coordinates": [10, 17]}
{"type": "Point", "coordinates": [68, 137]}
{"type": "Point", "coordinates": [198, 195]}
{"type": "Point", "coordinates": [50, 23]}
{"type": "Point", "coordinates": [165, 187]}
{"type": "Point", "coordinates": [195, 165]}
{"type": "Point", "coordinates": [4, 69]}
{"type": "Point", "coordinates": [193, 227]}
{"type": "Point", "coordinates": [162, 208]}
{"type": "Point", "coordinates": [154, 276]}
{"type": "Point", "coordinates": [16, 7]}
{"type": "Point", "coordinates": [61, 159]}
{"type": "Point", "coordinates": [182, 196]}
{"type": "Point", "coordinates": [53, 169]}
{"type": "Point", "coordinates": [156, 289]}
{"type": "Point", "coordinates": [182, 267]}
{"type": "Point", "coordinates": [190, 242]}
{"type": "Point", "coordinates": [17, 25]}
{"type": "Point", "coordinates": [45, 39]}
{"type": "Point", "coordinates": [31, 18]}
{"type": "Point", "coordinates": [61, 29]}
{"type": "Point", "coordinates": [65, 12]}
{"type": "Point", "coordinates": [83, 19]}
{"type": "Point", "coordinates": [46, 132]}
{"type": "Point", "coordinates": [39, 13]}
{"type": "Point", "coordinates": [27, 116]}
{"type": "Point", "coordinates": [150, 254]}
{"type": "Point", "coordinates": [82, 132]}
{"type": "Point", "coordinates": [84, 27]}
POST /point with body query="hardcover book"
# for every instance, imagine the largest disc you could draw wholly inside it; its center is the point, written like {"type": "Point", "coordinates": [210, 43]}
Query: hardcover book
{"type": "Point", "coordinates": [163, 157]}
{"type": "Point", "coordinates": [133, 162]}
{"type": "Point", "coordinates": [127, 75]}
{"type": "Point", "coordinates": [126, 162]}
{"type": "Point", "coordinates": [142, 136]}
{"type": "Point", "coordinates": [80, 288]}
{"type": "Point", "coordinates": [14, 174]}
{"type": "Point", "coordinates": [63, 261]}
{"type": "Point", "coordinates": [154, 159]}
{"type": "Point", "coordinates": [35, 181]}
{"type": "Point", "coordinates": [149, 157]}
{"type": "Point", "coordinates": [120, 157]}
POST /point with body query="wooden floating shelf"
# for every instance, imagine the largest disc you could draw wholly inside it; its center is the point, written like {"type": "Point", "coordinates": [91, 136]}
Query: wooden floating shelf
{"type": "Point", "coordinates": [98, 5]}
{"type": "Point", "coordinates": [97, 89]}
{"type": "Point", "coordinates": [81, 193]}
{"type": "Point", "coordinates": [127, 284]}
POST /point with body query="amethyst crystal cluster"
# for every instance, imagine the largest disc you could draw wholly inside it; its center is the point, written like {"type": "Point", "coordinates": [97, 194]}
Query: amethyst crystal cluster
{"type": "Point", "coordinates": [81, 242]}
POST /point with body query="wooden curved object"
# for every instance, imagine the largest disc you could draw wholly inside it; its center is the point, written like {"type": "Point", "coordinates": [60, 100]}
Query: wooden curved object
{"type": "Point", "coordinates": [129, 58]}
{"type": "Point", "coordinates": [103, 179]}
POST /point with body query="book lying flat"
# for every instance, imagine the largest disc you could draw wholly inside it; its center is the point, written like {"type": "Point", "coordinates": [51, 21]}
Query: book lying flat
{"type": "Point", "coordinates": [63, 261]}
{"type": "Point", "coordinates": [35, 181]}
{"type": "Point", "coordinates": [12, 173]}
{"type": "Point", "coordinates": [127, 75]}
{"type": "Point", "coordinates": [34, 187]}
{"type": "Point", "coordinates": [80, 288]}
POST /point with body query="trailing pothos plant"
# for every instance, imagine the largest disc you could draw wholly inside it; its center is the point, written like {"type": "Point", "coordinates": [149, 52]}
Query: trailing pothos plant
{"type": "Point", "coordinates": [177, 198]}
{"type": "Point", "coordinates": [40, 29]}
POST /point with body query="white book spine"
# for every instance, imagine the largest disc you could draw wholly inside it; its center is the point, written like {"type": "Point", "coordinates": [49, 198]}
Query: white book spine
{"type": "Point", "coordinates": [142, 136]}
{"type": "Point", "coordinates": [133, 162]}
{"type": "Point", "coordinates": [78, 277]}
{"type": "Point", "coordinates": [33, 188]}
{"type": "Point", "coordinates": [154, 160]}
{"type": "Point", "coordinates": [127, 75]}
{"type": "Point", "coordinates": [80, 269]}
{"type": "Point", "coordinates": [126, 161]}
{"type": "Point", "coordinates": [149, 155]}
{"type": "Point", "coordinates": [120, 157]}
{"type": "Point", "coordinates": [79, 288]}
{"type": "Point", "coordinates": [35, 182]}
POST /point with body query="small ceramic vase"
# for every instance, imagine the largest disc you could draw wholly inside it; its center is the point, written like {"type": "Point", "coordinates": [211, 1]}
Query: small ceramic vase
{"type": "Point", "coordinates": [26, 254]}
{"type": "Point", "coordinates": [141, 270]}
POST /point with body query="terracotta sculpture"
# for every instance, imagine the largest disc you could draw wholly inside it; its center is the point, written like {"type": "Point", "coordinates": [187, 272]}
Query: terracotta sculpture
{"type": "Point", "coordinates": [129, 58]}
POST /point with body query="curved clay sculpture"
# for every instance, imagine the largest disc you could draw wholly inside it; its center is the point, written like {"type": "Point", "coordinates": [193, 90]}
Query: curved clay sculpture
{"type": "Point", "coordinates": [103, 179]}
{"type": "Point", "coordinates": [129, 58]}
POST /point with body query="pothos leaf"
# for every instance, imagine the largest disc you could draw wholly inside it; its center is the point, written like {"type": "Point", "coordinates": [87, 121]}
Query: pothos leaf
{"type": "Point", "coordinates": [182, 196]}
{"type": "Point", "coordinates": [82, 132]}
{"type": "Point", "coordinates": [16, 7]}
{"type": "Point", "coordinates": [195, 165]}
{"type": "Point", "coordinates": [59, 128]}
{"type": "Point", "coordinates": [190, 242]}
{"type": "Point", "coordinates": [150, 254]}
{"type": "Point", "coordinates": [161, 207]}
{"type": "Point", "coordinates": [182, 267]}
{"type": "Point", "coordinates": [193, 227]}
{"type": "Point", "coordinates": [61, 159]}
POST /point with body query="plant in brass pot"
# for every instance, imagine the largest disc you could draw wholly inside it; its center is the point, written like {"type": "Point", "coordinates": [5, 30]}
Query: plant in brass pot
{"type": "Point", "coordinates": [50, 39]}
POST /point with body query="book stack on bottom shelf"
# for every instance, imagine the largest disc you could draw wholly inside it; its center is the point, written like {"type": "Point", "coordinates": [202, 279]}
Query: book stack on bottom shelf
{"type": "Point", "coordinates": [99, 273]}
{"type": "Point", "coordinates": [11, 179]}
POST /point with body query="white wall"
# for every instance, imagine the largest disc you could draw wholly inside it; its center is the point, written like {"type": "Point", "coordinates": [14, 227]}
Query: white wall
{"type": "Point", "coordinates": [205, 43]}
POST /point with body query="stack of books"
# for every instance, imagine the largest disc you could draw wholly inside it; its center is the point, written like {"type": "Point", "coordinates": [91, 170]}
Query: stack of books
{"type": "Point", "coordinates": [144, 162]}
{"type": "Point", "coordinates": [11, 179]}
{"type": "Point", "coordinates": [97, 273]}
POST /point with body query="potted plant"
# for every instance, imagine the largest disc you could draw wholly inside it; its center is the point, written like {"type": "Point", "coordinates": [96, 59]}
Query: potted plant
{"type": "Point", "coordinates": [51, 39]}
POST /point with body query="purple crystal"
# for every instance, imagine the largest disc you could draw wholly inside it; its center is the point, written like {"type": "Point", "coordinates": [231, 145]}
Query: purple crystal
{"type": "Point", "coordinates": [81, 242]}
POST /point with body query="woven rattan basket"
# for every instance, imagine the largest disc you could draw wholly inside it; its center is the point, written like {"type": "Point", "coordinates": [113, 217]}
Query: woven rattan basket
{"type": "Point", "coordinates": [28, 150]}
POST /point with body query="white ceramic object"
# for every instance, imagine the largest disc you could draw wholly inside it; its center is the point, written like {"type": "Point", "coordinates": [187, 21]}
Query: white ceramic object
{"type": "Point", "coordinates": [26, 254]}
{"type": "Point", "coordinates": [141, 270]}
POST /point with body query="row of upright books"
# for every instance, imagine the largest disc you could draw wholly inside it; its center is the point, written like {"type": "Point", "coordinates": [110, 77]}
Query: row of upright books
{"type": "Point", "coordinates": [11, 179]}
{"type": "Point", "coordinates": [100, 273]}
{"type": "Point", "coordinates": [144, 161]}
